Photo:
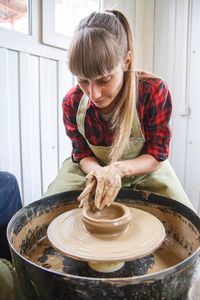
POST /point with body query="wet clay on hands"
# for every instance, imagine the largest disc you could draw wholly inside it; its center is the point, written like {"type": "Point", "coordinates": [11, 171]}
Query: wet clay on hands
{"type": "Point", "coordinates": [104, 183]}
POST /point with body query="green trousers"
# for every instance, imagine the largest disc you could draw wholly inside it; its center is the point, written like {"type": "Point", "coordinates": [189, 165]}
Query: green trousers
{"type": "Point", "coordinates": [163, 182]}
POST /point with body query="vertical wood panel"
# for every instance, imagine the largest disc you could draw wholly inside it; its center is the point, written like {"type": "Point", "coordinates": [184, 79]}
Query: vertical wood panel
{"type": "Point", "coordinates": [179, 121]}
{"type": "Point", "coordinates": [164, 38]}
{"type": "Point", "coordinates": [49, 120]}
{"type": "Point", "coordinates": [10, 149]}
{"type": "Point", "coordinates": [144, 32]}
{"type": "Point", "coordinates": [65, 81]}
{"type": "Point", "coordinates": [35, 129]}
{"type": "Point", "coordinates": [171, 61]}
{"type": "Point", "coordinates": [30, 137]}
{"type": "Point", "coordinates": [170, 49]}
{"type": "Point", "coordinates": [4, 112]}
{"type": "Point", "coordinates": [14, 116]}
{"type": "Point", "coordinates": [164, 30]}
{"type": "Point", "coordinates": [192, 174]}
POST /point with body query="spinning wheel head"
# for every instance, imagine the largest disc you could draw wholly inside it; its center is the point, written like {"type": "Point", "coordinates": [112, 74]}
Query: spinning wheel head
{"type": "Point", "coordinates": [107, 237]}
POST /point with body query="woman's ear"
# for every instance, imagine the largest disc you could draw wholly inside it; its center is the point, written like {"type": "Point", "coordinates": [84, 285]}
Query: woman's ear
{"type": "Point", "coordinates": [127, 61]}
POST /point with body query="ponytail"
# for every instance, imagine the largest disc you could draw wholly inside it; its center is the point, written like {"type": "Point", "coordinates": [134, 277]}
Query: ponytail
{"type": "Point", "coordinates": [124, 111]}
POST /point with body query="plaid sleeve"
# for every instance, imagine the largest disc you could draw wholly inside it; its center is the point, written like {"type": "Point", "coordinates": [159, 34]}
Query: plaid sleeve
{"type": "Point", "coordinates": [157, 115]}
{"type": "Point", "coordinates": [80, 148]}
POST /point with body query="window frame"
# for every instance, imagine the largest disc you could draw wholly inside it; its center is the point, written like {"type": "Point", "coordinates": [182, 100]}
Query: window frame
{"type": "Point", "coordinates": [32, 43]}
{"type": "Point", "coordinates": [49, 36]}
{"type": "Point", "coordinates": [31, 23]}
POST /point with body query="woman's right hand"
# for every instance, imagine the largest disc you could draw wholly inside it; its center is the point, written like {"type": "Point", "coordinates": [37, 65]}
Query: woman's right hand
{"type": "Point", "coordinates": [105, 183]}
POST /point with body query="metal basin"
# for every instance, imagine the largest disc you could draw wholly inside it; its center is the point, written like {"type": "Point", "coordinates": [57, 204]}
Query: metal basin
{"type": "Point", "coordinates": [44, 273]}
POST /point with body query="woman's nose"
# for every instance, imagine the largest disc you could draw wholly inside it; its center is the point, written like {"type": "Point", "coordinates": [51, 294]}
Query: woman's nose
{"type": "Point", "coordinates": [95, 91]}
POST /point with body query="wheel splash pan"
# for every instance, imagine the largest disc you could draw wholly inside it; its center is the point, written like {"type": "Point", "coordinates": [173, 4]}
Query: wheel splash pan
{"type": "Point", "coordinates": [44, 273]}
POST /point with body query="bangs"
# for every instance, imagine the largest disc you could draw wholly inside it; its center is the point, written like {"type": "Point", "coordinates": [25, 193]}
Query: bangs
{"type": "Point", "coordinates": [93, 53]}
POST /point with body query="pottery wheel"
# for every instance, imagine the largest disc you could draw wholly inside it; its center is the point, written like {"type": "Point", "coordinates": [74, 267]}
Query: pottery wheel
{"type": "Point", "coordinates": [68, 234]}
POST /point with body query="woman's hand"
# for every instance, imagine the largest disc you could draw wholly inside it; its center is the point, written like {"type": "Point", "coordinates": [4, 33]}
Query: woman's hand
{"type": "Point", "coordinates": [105, 183]}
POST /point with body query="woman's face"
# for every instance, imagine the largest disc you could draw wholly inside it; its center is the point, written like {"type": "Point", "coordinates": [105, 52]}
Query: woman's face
{"type": "Point", "coordinates": [103, 90]}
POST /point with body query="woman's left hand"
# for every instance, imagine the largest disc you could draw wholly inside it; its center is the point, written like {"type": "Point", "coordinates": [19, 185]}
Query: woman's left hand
{"type": "Point", "coordinates": [105, 183]}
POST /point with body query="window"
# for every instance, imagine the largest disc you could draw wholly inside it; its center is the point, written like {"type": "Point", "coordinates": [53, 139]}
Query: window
{"type": "Point", "coordinates": [69, 12]}
{"type": "Point", "coordinates": [60, 18]}
{"type": "Point", "coordinates": [14, 15]}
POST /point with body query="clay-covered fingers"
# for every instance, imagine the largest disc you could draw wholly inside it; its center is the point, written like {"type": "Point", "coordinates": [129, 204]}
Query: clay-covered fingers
{"type": "Point", "coordinates": [84, 201]}
{"type": "Point", "coordinates": [87, 192]}
{"type": "Point", "coordinates": [109, 197]}
{"type": "Point", "coordinates": [108, 185]}
{"type": "Point", "coordinates": [106, 193]}
{"type": "Point", "coordinates": [99, 192]}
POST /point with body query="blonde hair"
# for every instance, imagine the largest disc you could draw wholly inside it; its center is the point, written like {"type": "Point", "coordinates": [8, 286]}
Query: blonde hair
{"type": "Point", "coordinates": [100, 43]}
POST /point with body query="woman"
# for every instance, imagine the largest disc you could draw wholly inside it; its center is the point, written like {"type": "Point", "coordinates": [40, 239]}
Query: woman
{"type": "Point", "coordinates": [116, 118]}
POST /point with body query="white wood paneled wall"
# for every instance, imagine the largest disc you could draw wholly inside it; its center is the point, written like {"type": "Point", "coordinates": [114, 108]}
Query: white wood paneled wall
{"type": "Point", "coordinates": [192, 162]}
{"type": "Point", "coordinates": [33, 140]}
{"type": "Point", "coordinates": [177, 59]}
{"type": "Point", "coordinates": [32, 136]}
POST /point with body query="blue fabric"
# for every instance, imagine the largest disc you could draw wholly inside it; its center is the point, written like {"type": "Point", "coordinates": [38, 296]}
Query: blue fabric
{"type": "Point", "coordinates": [10, 203]}
{"type": "Point", "coordinates": [10, 199]}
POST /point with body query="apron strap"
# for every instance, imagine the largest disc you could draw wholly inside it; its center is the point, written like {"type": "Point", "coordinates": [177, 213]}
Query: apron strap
{"type": "Point", "coordinates": [136, 131]}
{"type": "Point", "coordinates": [80, 116]}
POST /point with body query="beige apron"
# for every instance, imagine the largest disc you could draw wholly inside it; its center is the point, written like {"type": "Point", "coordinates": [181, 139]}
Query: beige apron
{"type": "Point", "coordinates": [163, 181]}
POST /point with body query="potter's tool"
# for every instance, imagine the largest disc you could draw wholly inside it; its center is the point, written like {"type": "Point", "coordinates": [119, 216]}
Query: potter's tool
{"type": "Point", "coordinates": [106, 238]}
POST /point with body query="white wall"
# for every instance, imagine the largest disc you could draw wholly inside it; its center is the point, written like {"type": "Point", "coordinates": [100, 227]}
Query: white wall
{"type": "Point", "coordinates": [33, 140]}
{"type": "Point", "coordinates": [34, 79]}
{"type": "Point", "coordinates": [177, 59]}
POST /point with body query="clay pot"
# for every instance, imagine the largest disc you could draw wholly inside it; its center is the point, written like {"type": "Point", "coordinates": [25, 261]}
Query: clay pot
{"type": "Point", "coordinates": [112, 220]}
{"type": "Point", "coordinates": [46, 274]}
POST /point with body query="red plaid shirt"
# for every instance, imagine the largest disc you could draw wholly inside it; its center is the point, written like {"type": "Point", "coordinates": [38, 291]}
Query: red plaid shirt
{"type": "Point", "coordinates": [154, 110]}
